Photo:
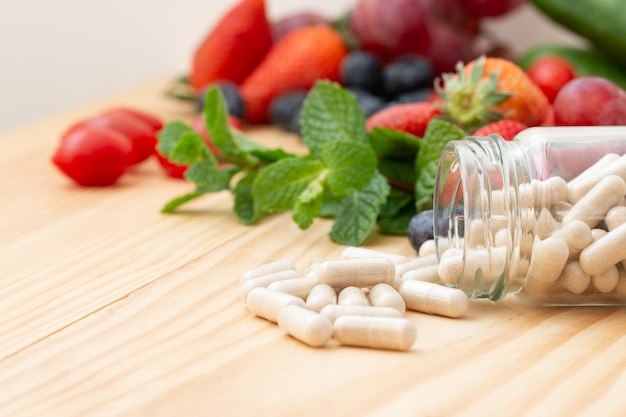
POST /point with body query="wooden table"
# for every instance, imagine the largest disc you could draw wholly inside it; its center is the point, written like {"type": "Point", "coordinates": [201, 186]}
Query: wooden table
{"type": "Point", "coordinates": [110, 308]}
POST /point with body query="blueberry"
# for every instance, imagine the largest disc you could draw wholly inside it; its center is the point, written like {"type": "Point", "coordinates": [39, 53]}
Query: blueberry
{"type": "Point", "coordinates": [362, 70]}
{"type": "Point", "coordinates": [283, 108]}
{"type": "Point", "coordinates": [230, 91]}
{"type": "Point", "coordinates": [368, 102]}
{"type": "Point", "coordinates": [423, 94]}
{"type": "Point", "coordinates": [420, 228]}
{"type": "Point", "coordinates": [407, 73]}
{"type": "Point", "coordinates": [294, 122]}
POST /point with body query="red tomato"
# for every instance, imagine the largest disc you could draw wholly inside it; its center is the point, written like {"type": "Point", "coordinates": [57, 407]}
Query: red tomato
{"type": "Point", "coordinates": [155, 123]}
{"type": "Point", "coordinates": [94, 156]}
{"type": "Point", "coordinates": [140, 133]}
{"type": "Point", "coordinates": [551, 73]}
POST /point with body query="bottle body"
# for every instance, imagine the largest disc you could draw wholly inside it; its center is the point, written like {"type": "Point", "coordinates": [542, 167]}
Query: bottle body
{"type": "Point", "coordinates": [542, 216]}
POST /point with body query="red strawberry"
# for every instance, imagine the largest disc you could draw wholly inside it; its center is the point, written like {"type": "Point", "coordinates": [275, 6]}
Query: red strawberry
{"type": "Point", "coordinates": [506, 128]}
{"type": "Point", "coordinates": [234, 47]}
{"type": "Point", "coordinates": [411, 118]}
{"type": "Point", "coordinates": [296, 62]}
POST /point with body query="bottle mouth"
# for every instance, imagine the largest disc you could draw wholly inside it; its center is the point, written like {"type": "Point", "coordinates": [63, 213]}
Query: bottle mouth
{"type": "Point", "coordinates": [470, 202]}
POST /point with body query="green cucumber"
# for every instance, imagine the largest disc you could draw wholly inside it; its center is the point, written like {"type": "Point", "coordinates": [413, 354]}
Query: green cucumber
{"type": "Point", "coordinates": [585, 62]}
{"type": "Point", "coordinates": [602, 22]}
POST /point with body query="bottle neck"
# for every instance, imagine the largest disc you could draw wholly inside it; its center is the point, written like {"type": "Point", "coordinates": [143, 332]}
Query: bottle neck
{"type": "Point", "coordinates": [480, 228]}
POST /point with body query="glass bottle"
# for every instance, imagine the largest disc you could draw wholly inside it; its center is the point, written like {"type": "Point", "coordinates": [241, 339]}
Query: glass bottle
{"type": "Point", "coordinates": [542, 216]}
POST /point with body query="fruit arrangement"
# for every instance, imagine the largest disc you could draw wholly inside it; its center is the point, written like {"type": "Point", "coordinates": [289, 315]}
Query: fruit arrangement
{"type": "Point", "coordinates": [374, 97]}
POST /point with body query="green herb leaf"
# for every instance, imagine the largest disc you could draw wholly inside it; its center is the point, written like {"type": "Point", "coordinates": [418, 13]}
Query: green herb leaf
{"type": "Point", "coordinates": [245, 208]}
{"type": "Point", "coordinates": [329, 114]}
{"type": "Point", "coordinates": [392, 143]}
{"type": "Point", "coordinates": [398, 172]}
{"type": "Point", "coordinates": [350, 165]}
{"type": "Point", "coordinates": [278, 185]}
{"type": "Point", "coordinates": [189, 149]}
{"type": "Point", "coordinates": [170, 135]}
{"type": "Point", "coordinates": [207, 176]}
{"type": "Point", "coordinates": [396, 201]}
{"type": "Point", "coordinates": [308, 204]}
{"type": "Point", "coordinates": [173, 204]}
{"type": "Point", "coordinates": [359, 211]}
{"type": "Point", "coordinates": [437, 135]}
{"type": "Point", "coordinates": [397, 224]}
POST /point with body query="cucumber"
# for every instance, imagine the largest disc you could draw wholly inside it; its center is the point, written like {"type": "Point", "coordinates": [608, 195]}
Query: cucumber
{"type": "Point", "coordinates": [602, 22]}
{"type": "Point", "coordinates": [586, 62]}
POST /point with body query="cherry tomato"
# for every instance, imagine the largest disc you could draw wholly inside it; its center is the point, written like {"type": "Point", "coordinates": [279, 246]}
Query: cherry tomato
{"type": "Point", "coordinates": [94, 156]}
{"type": "Point", "coordinates": [155, 123]}
{"type": "Point", "coordinates": [140, 133]}
{"type": "Point", "coordinates": [551, 73]}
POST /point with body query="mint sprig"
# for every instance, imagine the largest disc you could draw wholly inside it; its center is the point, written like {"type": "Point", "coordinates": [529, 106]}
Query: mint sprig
{"type": "Point", "coordinates": [359, 178]}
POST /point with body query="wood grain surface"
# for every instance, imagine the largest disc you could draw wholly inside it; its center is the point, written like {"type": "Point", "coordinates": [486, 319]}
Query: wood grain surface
{"type": "Point", "coordinates": [110, 308]}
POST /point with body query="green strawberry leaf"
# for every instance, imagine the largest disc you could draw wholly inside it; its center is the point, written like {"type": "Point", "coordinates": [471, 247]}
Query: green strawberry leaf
{"type": "Point", "coordinates": [350, 165]}
{"type": "Point", "coordinates": [329, 114]}
{"type": "Point", "coordinates": [438, 134]}
{"type": "Point", "coordinates": [358, 212]}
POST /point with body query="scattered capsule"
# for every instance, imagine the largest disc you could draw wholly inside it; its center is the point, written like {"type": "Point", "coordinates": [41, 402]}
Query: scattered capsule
{"type": "Point", "coordinates": [267, 303]}
{"type": "Point", "coordinates": [266, 280]}
{"type": "Point", "coordinates": [427, 297]}
{"type": "Point", "coordinates": [421, 261]}
{"type": "Point", "coordinates": [320, 296]}
{"type": "Point", "coordinates": [426, 273]}
{"type": "Point", "coordinates": [352, 296]}
{"type": "Point", "coordinates": [375, 332]}
{"type": "Point", "coordinates": [300, 287]}
{"type": "Point", "coordinates": [334, 311]}
{"type": "Point", "coordinates": [266, 269]}
{"type": "Point", "coordinates": [353, 252]}
{"type": "Point", "coordinates": [384, 295]}
{"type": "Point", "coordinates": [361, 273]}
{"type": "Point", "coordinates": [305, 325]}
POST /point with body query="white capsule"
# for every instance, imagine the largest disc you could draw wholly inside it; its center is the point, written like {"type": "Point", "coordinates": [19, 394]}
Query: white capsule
{"type": "Point", "coordinates": [333, 311]}
{"type": "Point", "coordinates": [416, 263]}
{"type": "Point", "coordinates": [354, 252]}
{"type": "Point", "coordinates": [305, 325]}
{"type": "Point", "coordinates": [598, 201]}
{"type": "Point", "coordinates": [362, 273]}
{"type": "Point", "coordinates": [266, 280]}
{"type": "Point", "coordinates": [573, 278]}
{"type": "Point", "coordinates": [432, 298]}
{"type": "Point", "coordinates": [266, 269]}
{"type": "Point", "coordinates": [604, 252]}
{"type": "Point", "coordinates": [581, 186]}
{"type": "Point", "coordinates": [352, 296]}
{"type": "Point", "coordinates": [300, 287]}
{"type": "Point", "coordinates": [549, 256]}
{"type": "Point", "coordinates": [375, 332]}
{"type": "Point", "coordinates": [577, 236]}
{"type": "Point", "coordinates": [426, 273]}
{"type": "Point", "coordinates": [320, 296]}
{"type": "Point", "coordinates": [606, 281]}
{"type": "Point", "coordinates": [267, 303]}
{"type": "Point", "coordinates": [384, 295]}
{"type": "Point", "coordinates": [311, 267]}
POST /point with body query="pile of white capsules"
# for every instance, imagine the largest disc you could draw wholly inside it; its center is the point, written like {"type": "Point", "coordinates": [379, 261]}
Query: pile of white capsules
{"type": "Point", "coordinates": [357, 300]}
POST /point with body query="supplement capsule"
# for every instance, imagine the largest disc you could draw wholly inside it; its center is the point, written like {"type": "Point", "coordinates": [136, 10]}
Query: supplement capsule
{"type": "Point", "coordinates": [384, 295]}
{"type": "Point", "coordinates": [592, 208]}
{"type": "Point", "coordinates": [320, 296]}
{"type": "Point", "coordinates": [353, 252]}
{"type": "Point", "coordinates": [305, 325]}
{"type": "Point", "coordinates": [432, 298]}
{"type": "Point", "coordinates": [266, 269]}
{"type": "Point", "coordinates": [334, 311]}
{"type": "Point", "coordinates": [548, 259]}
{"type": "Point", "coordinates": [573, 278]}
{"type": "Point", "coordinates": [267, 303]}
{"type": "Point", "coordinates": [427, 273]}
{"type": "Point", "coordinates": [266, 280]}
{"type": "Point", "coordinates": [606, 281]}
{"type": "Point", "coordinates": [311, 267]}
{"type": "Point", "coordinates": [361, 273]}
{"type": "Point", "coordinates": [417, 263]}
{"type": "Point", "coordinates": [577, 236]}
{"type": "Point", "coordinates": [578, 188]}
{"type": "Point", "coordinates": [299, 287]}
{"type": "Point", "coordinates": [352, 296]}
{"type": "Point", "coordinates": [375, 332]}
{"type": "Point", "coordinates": [615, 217]}
{"type": "Point", "coordinates": [604, 252]}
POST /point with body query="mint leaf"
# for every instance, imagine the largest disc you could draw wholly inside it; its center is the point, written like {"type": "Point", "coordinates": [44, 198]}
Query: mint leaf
{"type": "Point", "coordinates": [170, 135]}
{"type": "Point", "coordinates": [437, 135]}
{"type": "Point", "coordinates": [396, 201]}
{"type": "Point", "coordinates": [189, 149]}
{"type": "Point", "coordinates": [397, 224]}
{"type": "Point", "coordinates": [278, 185]}
{"type": "Point", "coordinates": [398, 172]}
{"type": "Point", "coordinates": [331, 204]}
{"type": "Point", "coordinates": [207, 176]}
{"type": "Point", "coordinates": [245, 208]}
{"type": "Point", "coordinates": [358, 212]}
{"type": "Point", "coordinates": [330, 113]}
{"type": "Point", "coordinates": [172, 205]}
{"type": "Point", "coordinates": [350, 165]}
{"type": "Point", "coordinates": [256, 149]}
{"type": "Point", "coordinates": [392, 143]}
{"type": "Point", "coordinates": [308, 204]}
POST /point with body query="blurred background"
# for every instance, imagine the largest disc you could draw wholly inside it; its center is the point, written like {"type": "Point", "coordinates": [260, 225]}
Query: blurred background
{"type": "Point", "coordinates": [57, 55]}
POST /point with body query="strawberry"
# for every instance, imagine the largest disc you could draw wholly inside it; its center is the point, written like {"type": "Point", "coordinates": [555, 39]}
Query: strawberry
{"type": "Point", "coordinates": [295, 62]}
{"type": "Point", "coordinates": [489, 89]}
{"type": "Point", "coordinates": [411, 117]}
{"type": "Point", "coordinates": [234, 47]}
{"type": "Point", "coordinates": [506, 128]}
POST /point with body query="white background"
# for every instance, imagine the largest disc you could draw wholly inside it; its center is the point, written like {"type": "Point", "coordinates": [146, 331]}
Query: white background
{"type": "Point", "coordinates": [56, 55]}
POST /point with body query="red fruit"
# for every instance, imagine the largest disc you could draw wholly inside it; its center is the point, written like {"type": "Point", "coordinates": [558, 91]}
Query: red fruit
{"type": "Point", "coordinates": [412, 118]}
{"type": "Point", "coordinates": [288, 24]}
{"type": "Point", "coordinates": [234, 47]}
{"type": "Point", "coordinates": [153, 121]}
{"type": "Point", "coordinates": [506, 128]}
{"type": "Point", "coordinates": [551, 73]}
{"type": "Point", "coordinates": [590, 101]}
{"type": "Point", "coordinates": [295, 63]}
{"type": "Point", "coordinates": [140, 133]}
{"type": "Point", "coordinates": [94, 156]}
{"type": "Point", "coordinates": [490, 8]}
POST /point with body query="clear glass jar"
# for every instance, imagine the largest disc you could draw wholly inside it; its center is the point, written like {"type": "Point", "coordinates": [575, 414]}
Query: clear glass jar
{"type": "Point", "coordinates": [542, 216]}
